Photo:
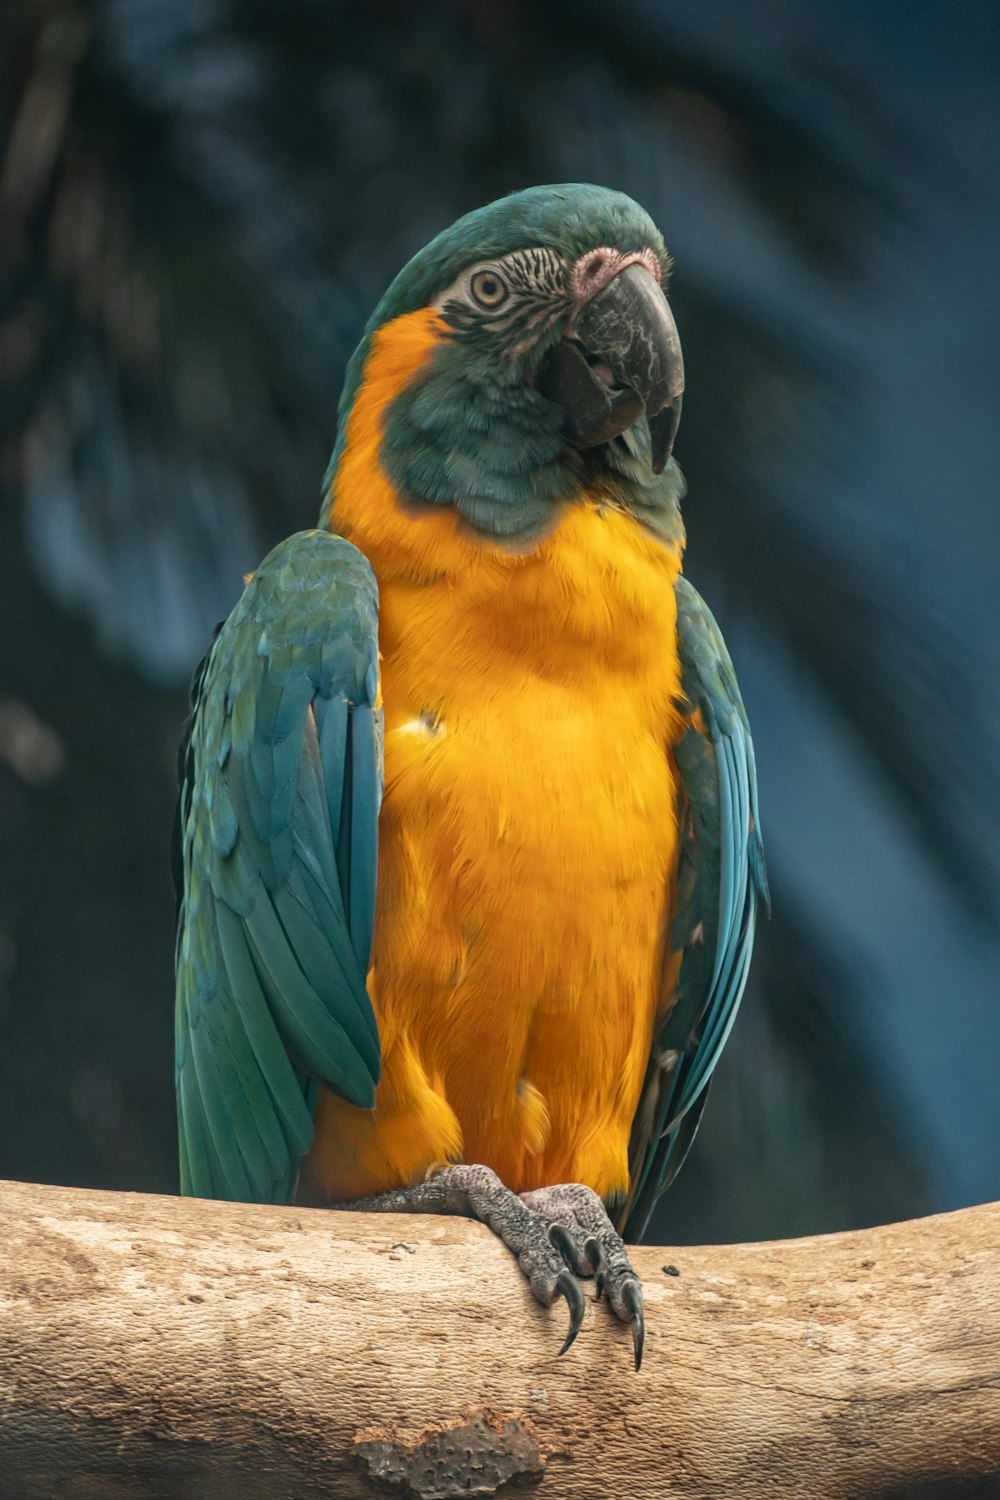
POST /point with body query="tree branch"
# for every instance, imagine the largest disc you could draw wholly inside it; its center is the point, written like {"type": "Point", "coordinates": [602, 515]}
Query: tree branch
{"type": "Point", "coordinates": [166, 1347]}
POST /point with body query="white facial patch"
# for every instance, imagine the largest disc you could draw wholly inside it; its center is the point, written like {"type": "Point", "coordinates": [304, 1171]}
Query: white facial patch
{"type": "Point", "coordinates": [536, 272]}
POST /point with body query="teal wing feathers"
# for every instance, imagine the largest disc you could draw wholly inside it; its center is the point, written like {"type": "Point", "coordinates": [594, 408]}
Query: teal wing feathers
{"type": "Point", "coordinates": [276, 840]}
{"type": "Point", "coordinates": [720, 882]}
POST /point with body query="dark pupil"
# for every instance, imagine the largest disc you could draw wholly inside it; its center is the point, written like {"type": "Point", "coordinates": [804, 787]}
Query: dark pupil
{"type": "Point", "coordinates": [489, 287]}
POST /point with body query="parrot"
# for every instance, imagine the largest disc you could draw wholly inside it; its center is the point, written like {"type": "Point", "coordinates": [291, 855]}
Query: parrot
{"type": "Point", "coordinates": [467, 847]}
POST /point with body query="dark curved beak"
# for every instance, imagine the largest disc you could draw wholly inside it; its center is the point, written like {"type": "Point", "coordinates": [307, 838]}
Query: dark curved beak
{"type": "Point", "coordinates": [621, 358]}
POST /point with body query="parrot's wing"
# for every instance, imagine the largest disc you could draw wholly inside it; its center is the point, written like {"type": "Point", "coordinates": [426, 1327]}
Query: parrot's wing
{"type": "Point", "coordinates": [281, 779]}
{"type": "Point", "coordinates": [720, 879]}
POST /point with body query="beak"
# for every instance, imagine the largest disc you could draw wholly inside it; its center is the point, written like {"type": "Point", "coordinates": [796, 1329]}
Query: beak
{"type": "Point", "coordinates": [621, 358]}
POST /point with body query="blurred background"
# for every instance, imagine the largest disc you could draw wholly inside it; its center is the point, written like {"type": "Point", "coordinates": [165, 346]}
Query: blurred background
{"type": "Point", "coordinates": [199, 204]}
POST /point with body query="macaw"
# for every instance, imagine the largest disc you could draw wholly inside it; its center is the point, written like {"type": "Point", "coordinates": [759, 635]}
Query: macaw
{"type": "Point", "coordinates": [467, 830]}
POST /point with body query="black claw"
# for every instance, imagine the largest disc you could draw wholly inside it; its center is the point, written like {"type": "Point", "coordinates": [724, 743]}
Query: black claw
{"type": "Point", "coordinates": [561, 1240]}
{"type": "Point", "coordinates": [638, 1338]}
{"type": "Point", "coordinates": [632, 1301]}
{"type": "Point", "coordinates": [568, 1285]}
{"type": "Point", "coordinates": [594, 1251]}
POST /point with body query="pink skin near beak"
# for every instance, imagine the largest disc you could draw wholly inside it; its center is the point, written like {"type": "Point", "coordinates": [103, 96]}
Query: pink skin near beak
{"type": "Point", "coordinates": [594, 270]}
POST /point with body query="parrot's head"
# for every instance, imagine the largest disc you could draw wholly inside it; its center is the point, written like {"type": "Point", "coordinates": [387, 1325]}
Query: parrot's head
{"type": "Point", "coordinates": [524, 356]}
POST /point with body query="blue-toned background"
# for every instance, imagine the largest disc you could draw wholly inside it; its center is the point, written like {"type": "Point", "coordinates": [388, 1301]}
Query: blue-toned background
{"type": "Point", "coordinates": [199, 204]}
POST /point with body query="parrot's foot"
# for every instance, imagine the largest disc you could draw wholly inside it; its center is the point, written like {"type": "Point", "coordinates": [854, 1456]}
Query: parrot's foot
{"type": "Point", "coordinates": [557, 1234]}
{"type": "Point", "coordinates": [579, 1226]}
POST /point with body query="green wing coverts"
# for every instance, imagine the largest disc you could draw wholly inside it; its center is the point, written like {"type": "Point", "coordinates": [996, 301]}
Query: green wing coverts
{"type": "Point", "coordinates": [281, 780]}
{"type": "Point", "coordinates": [720, 880]}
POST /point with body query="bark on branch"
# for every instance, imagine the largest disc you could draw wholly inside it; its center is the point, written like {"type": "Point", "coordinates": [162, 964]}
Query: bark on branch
{"type": "Point", "coordinates": [160, 1347]}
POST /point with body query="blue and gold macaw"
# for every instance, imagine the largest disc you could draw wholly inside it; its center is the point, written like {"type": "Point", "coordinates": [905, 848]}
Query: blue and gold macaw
{"type": "Point", "coordinates": [468, 813]}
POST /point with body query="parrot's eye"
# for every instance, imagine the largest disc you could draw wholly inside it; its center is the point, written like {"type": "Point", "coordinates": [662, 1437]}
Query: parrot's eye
{"type": "Point", "coordinates": [489, 289]}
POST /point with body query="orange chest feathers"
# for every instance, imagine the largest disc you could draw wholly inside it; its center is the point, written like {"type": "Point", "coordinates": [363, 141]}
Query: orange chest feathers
{"type": "Point", "coordinates": [527, 834]}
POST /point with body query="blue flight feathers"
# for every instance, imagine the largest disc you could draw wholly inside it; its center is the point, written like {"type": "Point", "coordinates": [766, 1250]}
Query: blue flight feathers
{"type": "Point", "coordinates": [280, 790]}
{"type": "Point", "coordinates": [720, 882]}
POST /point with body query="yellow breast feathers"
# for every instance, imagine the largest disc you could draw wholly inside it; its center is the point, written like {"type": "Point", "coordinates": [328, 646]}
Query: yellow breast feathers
{"type": "Point", "coordinates": [527, 834]}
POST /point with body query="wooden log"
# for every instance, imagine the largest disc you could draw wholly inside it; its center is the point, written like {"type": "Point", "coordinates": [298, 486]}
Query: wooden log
{"type": "Point", "coordinates": [166, 1347]}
